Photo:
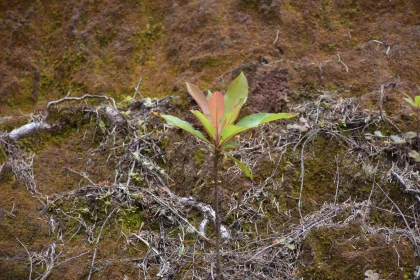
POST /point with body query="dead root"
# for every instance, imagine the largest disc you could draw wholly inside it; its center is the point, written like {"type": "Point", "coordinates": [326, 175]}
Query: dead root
{"type": "Point", "coordinates": [175, 231]}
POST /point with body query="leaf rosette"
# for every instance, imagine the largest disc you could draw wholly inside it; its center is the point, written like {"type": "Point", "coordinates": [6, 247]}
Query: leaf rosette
{"type": "Point", "coordinates": [218, 115]}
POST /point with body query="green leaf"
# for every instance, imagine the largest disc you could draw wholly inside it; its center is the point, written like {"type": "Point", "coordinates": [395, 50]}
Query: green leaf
{"type": "Point", "coordinates": [414, 155]}
{"type": "Point", "coordinates": [259, 119]}
{"type": "Point", "coordinates": [378, 133]}
{"type": "Point", "coordinates": [242, 166]}
{"type": "Point", "coordinates": [228, 145]}
{"type": "Point", "coordinates": [410, 101]}
{"type": "Point", "coordinates": [230, 131]}
{"type": "Point", "coordinates": [206, 123]}
{"type": "Point", "coordinates": [199, 97]}
{"type": "Point", "coordinates": [233, 115]}
{"type": "Point", "coordinates": [397, 140]}
{"type": "Point", "coordinates": [136, 155]}
{"type": "Point", "coordinates": [411, 135]}
{"type": "Point", "coordinates": [181, 251]}
{"type": "Point", "coordinates": [209, 94]}
{"type": "Point", "coordinates": [236, 94]}
{"type": "Point", "coordinates": [417, 101]}
{"type": "Point", "coordinates": [291, 246]}
{"type": "Point", "coordinates": [171, 120]}
{"type": "Point", "coordinates": [250, 122]}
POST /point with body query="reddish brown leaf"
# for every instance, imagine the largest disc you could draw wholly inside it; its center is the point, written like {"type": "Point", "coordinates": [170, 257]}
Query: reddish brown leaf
{"type": "Point", "coordinates": [199, 97]}
{"type": "Point", "coordinates": [217, 111]}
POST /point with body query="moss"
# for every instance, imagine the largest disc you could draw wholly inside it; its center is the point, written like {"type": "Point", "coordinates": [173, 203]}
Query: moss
{"type": "Point", "coordinates": [347, 252]}
{"type": "Point", "coordinates": [207, 62]}
{"type": "Point", "coordinates": [131, 219]}
{"type": "Point", "coordinates": [199, 155]}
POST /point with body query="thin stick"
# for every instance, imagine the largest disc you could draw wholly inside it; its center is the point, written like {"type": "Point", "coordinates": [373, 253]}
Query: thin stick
{"type": "Point", "coordinates": [405, 186]}
{"type": "Point", "coordinates": [72, 258]}
{"type": "Point", "coordinates": [381, 96]}
{"type": "Point", "coordinates": [176, 213]}
{"type": "Point", "coordinates": [97, 241]}
{"type": "Point", "coordinates": [137, 89]}
{"type": "Point", "coordinates": [30, 257]}
{"type": "Point", "coordinates": [373, 185]}
{"type": "Point", "coordinates": [381, 101]}
{"type": "Point", "coordinates": [50, 266]}
{"type": "Point", "coordinates": [277, 37]}
{"type": "Point", "coordinates": [84, 175]}
{"type": "Point", "coordinates": [398, 209]}
{"type": "Point", "coordinates": [302, 176]}
{"type": "Point", "coordinates": [164, 264]}
{"type": "Point", "coordinates": [86, 96]}
{"type": "Point", "coordinates": [339, 60]}
{"type": "Point", "coordinates": [385, 45]}
{"type": "Point", "coordinates": [337, 178]}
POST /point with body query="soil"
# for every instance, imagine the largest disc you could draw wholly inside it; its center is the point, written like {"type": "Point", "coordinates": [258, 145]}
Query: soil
{"type": "Point", "coordinates": [293, 52]}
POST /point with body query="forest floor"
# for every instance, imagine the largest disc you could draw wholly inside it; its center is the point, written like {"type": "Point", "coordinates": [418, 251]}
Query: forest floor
{"type": "Point", "coordinates": [102, 189]}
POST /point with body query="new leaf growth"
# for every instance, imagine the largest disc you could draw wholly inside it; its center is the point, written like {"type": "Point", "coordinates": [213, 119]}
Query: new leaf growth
{"type": "Point", "coordinates": [218, 114]}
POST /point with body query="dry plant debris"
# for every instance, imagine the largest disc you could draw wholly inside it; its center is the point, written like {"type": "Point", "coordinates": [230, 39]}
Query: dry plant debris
{"type": "Point", "coordinates": [165, 235]}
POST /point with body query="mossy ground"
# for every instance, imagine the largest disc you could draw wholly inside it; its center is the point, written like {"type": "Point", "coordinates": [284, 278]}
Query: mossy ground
{"type": "Point", "coordinates": [50, 49]}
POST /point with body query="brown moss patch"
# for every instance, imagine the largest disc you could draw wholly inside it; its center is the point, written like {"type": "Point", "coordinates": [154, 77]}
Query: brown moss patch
{"type": "Point", "coordinates": [346, 253]}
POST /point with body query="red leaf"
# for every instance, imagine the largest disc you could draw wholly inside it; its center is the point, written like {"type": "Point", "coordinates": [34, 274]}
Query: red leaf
{"type": "Point", "coordinates": [199, 97]}
{"type": "Point", "coordinates": [217, 111]}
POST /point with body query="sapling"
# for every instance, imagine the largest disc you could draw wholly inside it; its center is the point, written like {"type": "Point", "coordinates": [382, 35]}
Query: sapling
{"type": "Point", "coordinates": [415, 106]}
{"type": "Point", "coordinates": [218, 114]}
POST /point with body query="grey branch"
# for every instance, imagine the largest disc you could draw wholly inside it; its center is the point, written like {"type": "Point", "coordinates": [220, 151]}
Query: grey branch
{"type": "Point", "coordinates": [86, 96]}
{"type": "Point", "coordinates": [28, 130]}
{"type": "Point", "coordinates": [30, 257]}
{"type": "Point", "coordinates": [339, 60]}
{"type": "Point", "coordinates": [208, 212]}
{"type": "Point", "coordinates": [385, 45]}
{"type": "Point", "coordinates": [115, 117]}
{"type": "Point", "coordinates": [164, 264]}
{"type": "Point", "coordinates": [50, 265]}
{"type": "Point", "coordinates": [405, 186]}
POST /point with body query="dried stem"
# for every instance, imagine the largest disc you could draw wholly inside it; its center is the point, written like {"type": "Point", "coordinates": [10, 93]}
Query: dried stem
{"type": "Point", "coordinates": [341, 61]}
{"type": "Point", "coordinates": [30, 257]}
{"type": "Point", "coordinates": [97, 242]}
{"type": "Point", "coordinates": [86, 96]}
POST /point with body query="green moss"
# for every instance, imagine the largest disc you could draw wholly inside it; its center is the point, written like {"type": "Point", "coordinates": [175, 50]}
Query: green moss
{"type": "Point", "coordinates": [131, 219]}
{"type": "Point", "coordinates": [199, 156]}
{"type": "Point", "coordinates": [207, 62]}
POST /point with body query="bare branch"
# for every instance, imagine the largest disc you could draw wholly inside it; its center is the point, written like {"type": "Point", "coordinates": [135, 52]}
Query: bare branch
{"type": "Point", "coordinates": [28, 130]}
{"type": "Point", "coordinates": [277, 37]}
{"type": "Point", "coordinates": [86, 96]}
{"type": "Point", "coordinates": [208, 212]}
{"type": "Point", "coordinates": [341, 61]}
{"type": "Point", "coordinates": [30, 257]}
{"type": "Point", "coordinates": [97, 242]}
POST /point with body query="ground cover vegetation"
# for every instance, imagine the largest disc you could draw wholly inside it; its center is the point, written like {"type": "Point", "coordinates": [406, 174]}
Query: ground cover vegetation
{"type": "Point", "coordinates": [94, 185]}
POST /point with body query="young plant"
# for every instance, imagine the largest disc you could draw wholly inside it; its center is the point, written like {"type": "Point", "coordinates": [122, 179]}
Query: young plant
{"type": "Point", "coordinates": [218, 114]}
{"type": "Point", "coordinates": [415, 106]}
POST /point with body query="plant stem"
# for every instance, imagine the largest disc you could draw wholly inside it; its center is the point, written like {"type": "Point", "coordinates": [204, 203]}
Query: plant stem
{"type": "Point", "coordinates": [417, 128]}
{"type": "Point", "coordinates": [216, 209]}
